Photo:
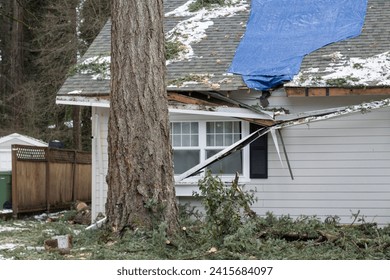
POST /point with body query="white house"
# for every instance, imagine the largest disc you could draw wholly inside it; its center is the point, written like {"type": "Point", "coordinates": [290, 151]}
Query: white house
{"type": "Point", "coordinates": [6, 143]}
{"type": "Point", "coordinates": [332, 155]}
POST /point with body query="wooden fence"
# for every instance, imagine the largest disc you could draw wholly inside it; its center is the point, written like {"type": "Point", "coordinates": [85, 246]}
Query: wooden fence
{"type": "Point", "coordinates": [49, 179]}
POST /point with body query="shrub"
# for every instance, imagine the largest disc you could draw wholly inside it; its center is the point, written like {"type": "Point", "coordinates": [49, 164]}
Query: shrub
{"type": "Point", "coordinates": [225, 206]}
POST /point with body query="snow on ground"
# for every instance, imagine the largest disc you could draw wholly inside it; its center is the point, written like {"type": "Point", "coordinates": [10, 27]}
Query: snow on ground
{"type": "Point", "coordinates": [21, 225]}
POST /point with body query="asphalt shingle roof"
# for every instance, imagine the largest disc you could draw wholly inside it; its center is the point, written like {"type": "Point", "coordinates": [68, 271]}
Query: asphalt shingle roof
{"type": "Point", "coordinates": [207, 68]}
{"type": "Point", "coordinates": [336, 61]}
{"type": "Point", "coordinates": [213, 54]}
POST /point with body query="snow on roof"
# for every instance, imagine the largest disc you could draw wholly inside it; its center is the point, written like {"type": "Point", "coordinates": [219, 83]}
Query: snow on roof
{"type": "Point", "coordinates": [193, 29]}
{"type": "Point", "coordinates": [186, 32]}
{"type": "Point", "coordinates": [354, 71]}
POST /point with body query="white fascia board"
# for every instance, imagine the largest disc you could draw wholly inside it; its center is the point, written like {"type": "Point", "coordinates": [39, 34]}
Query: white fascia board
{"type": "Point", "coordinates": [216, 111]}
{"type": "Point", "coordinates": [223, 112]}
{"type": "Point", "coordinates": [82, 101]}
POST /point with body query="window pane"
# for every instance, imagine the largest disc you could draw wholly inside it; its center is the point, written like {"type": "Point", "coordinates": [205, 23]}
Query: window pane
{"type": "Point", "coordinates": [219, 127]}
{"type": "Point", "coordinates": [186, 140]}
{"type": "Point", "coordinates": [210, 127]}
{"type": "Point", "coordinates": [194, 128]}
{"type": "Point", "coordinates": [219, 140]}
{"type": "Point", "coordinates": [176, 140]}
{"type": "Point", "coordinates": [228, 127]}
{"type": "Point", "coordinates": [194, 140]}
{"type": "Point", "coordinates": [184, 160]}
{"type": "Point", "coordinates": [236, 127]}
{"type": "Point", "coordinates": [225, 133]}
{"type": "Point", "coordinates": [228, 139]}
{"type": "Point", "coordinates": [176, 128]}
{"type": "Point", "coordinates": [185, 128]}
{"type": "Point", "coordinates": [228, 165]}
{"type": "Point", "coordinates": [185, 134]}
{"type": "Point", "coordinates": [210, 140]}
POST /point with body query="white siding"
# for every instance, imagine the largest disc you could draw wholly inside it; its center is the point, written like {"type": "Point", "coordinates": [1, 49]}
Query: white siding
{"type": "Point", "coordinates": [99, 160]}
{"type": "Point", "coordinates": [340, 166]}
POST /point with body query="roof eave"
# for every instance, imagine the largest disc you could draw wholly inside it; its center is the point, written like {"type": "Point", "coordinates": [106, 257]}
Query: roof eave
{"type": "Point", "coordinates": [309, 91]}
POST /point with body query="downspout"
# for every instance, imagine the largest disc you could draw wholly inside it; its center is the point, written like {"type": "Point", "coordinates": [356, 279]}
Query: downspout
{"type": "Point", "coordinates": [99, 157]}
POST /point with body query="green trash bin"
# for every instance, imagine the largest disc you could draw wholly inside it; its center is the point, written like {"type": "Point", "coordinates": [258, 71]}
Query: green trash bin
{"type": "Point", "coordinates": [5, 188]}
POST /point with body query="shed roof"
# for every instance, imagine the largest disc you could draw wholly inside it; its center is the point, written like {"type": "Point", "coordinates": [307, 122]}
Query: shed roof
{"type": "Point", "coordinates": [16, 138]}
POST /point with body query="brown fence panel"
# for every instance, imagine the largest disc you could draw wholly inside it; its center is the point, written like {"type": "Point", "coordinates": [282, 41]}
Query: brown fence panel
{"type": "Point", "coordinates": [28, 179]}
{"type": "Point", "coordinates": [59, 185]}
{"type": "Point", "coordinates": [83, 176]}
{"type": "Point", "coordinates": [48, 178]}
{"type": "Point", "coordinates": [28, 187]}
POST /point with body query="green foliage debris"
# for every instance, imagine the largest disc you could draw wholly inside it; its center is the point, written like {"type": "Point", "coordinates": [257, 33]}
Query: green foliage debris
{"type": "Point", "coordinates": [227, 229]}
{"type": "Point", "coordinates": [200, 4]}
{"type": "Point", "coordinates": [172, 49]}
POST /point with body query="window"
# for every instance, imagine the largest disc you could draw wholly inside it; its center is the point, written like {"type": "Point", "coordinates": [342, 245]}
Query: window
{"type": "Point", "coordinates": [185, 143]}
{"type": "Point", "coordinates": [218, 136]}
{"type": "Point", "coordinates": [195, 141]}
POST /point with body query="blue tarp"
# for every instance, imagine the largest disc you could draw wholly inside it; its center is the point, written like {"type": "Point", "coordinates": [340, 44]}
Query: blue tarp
{"type": "Point", "coordinates": [281, 32]}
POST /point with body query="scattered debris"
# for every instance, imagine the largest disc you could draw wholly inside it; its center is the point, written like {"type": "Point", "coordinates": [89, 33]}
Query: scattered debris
{"type": "Point", "coordinates": [61, 244]}
{"type": "Point", "coordinates": [81, 206]}
{"type": "Point", "coordinates": [97, 224]}
{"type": "Point", "coordinates": [83, 215]}
{"type": "Point", "coordinates": [212, 250]}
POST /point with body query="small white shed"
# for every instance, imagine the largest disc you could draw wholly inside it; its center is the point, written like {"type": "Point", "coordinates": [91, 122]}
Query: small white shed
{"type": "Point", "coordinates": [6, 143]}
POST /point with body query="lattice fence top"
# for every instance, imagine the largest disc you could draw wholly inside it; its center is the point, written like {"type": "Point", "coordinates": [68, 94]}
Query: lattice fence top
{"type": "Point", "coordinates": [30, 153]}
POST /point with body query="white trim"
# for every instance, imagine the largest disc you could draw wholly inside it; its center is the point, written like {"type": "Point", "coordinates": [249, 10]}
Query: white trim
{"type": "Point", "coordinates": [223, 112]}
{"type": "Point", "coordinates": [213, 112]}
{"type": "Point", "coordinates": [82, 101]}
{"type": "Point", "coordinates": [202, 147]}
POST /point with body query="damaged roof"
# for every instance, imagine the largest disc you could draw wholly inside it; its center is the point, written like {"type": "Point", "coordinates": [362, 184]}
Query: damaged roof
{"type": "Point", "coordinates": [208, 40]}
{"type": "Point", "coordinates": [360, 62]}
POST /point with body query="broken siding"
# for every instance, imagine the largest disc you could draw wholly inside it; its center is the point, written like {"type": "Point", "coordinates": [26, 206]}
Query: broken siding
{"type": "Point", "coordinates": [341, 166]}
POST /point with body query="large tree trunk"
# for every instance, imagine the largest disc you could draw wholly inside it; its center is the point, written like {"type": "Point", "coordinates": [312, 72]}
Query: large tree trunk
{"type": "Point", "coordinates": [140, 170]}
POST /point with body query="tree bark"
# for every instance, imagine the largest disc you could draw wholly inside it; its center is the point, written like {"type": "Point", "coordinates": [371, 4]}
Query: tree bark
{"type": "Point", "coordinates": [140, 170]}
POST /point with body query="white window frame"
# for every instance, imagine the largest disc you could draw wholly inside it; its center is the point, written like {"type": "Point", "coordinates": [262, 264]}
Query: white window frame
{"type": "Point", "coordinates": [202, 120]}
